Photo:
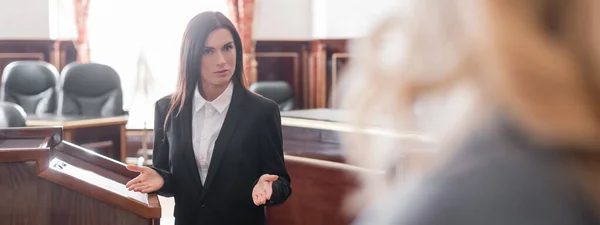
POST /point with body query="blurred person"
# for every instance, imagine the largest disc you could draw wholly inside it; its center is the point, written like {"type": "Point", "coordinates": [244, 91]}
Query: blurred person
{"type": "Point", "coordinates": [509, 88]}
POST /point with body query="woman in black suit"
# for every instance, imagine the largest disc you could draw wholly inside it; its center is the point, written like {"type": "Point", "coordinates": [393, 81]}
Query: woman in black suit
{"type": "Point", "coordinates": [217, 146]}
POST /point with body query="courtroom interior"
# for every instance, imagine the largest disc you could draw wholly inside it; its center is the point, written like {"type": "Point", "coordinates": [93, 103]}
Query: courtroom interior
{"type": "Point", "coordinates": [80, 79]}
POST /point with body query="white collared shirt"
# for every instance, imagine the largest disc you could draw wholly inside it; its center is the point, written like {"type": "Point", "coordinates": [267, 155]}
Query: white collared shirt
{"type": "Point", "coordinates": [207, 120]}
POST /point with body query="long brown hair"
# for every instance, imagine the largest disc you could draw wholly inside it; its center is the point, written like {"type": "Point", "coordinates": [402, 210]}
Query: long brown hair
{"type": "Point", "coordinates": [192, 44]}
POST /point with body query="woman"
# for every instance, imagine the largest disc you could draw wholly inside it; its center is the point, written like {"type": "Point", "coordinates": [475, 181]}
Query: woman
{"type": "Point", "coordinates": [531, 73]}
{"type": "Point", "coordinates": [217, 146]}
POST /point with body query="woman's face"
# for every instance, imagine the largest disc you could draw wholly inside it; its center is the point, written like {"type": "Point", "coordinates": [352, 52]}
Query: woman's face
{"type": "Point", "coordinates": [218, 58]}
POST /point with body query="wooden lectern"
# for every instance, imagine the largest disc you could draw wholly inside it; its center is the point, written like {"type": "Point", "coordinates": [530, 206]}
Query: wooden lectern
{"type": "Point", "coordinates": [45, 180]}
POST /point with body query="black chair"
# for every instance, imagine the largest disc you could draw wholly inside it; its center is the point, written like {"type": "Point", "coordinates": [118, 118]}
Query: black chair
{"type": "Point", "coordinates": [278, 91]}
{"type": "Point", "coordinates": [90, 89]}
{"type": "Point", "coordinates": [12, 115]}
{"type": "Point", "coordinates": [31, 85]}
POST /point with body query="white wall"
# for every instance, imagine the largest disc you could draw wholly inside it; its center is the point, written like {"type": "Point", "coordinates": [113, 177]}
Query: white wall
{"type": "Point", "coordinates": [62, 20]}
{"type": "Point", "coordinates": [341, 19]}
{"type": "Point", "coordinates": [24, 19]}
{"type": "Point", "coordinates": [318, 19]}
{"type": "Point", "coordinates": [274, 19]}
{"type": "Point", "coordinates": [283, 20]}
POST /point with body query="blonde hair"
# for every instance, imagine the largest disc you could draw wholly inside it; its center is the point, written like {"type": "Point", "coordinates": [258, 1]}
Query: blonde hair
{"type": "Point", "coordinates": [442, 64]}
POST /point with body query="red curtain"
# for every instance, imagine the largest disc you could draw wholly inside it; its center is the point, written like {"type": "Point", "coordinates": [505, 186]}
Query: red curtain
{"type": "Point", "coordinates": [81, 17]}
{"type": "Point", "coordinates": [241, 13]}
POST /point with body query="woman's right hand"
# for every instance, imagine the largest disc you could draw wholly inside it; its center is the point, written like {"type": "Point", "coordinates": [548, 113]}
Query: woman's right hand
{"type": "Point", "coordinates": [148, 180]}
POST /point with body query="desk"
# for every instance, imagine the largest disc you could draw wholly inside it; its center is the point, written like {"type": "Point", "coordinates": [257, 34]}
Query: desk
{"type": "Point", "coordinates": [90, 132]}
{"type": "Point", "coordinates": [315, 133]}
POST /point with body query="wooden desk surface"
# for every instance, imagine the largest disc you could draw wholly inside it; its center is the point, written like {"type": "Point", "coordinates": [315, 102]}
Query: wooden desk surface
{"type": "Point", "coordinates": [329, 115]}
{"type": "Point", "coordinates": [337, 120]}
{"type": "Point", "coordinates": [71, 122]}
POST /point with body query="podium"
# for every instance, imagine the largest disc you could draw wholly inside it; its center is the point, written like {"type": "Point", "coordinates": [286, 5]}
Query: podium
{"type": "Point", "coordinates": [45, 180]}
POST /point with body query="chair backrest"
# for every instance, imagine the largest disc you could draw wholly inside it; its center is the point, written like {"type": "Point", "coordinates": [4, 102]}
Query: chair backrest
{"type": "Point", "coordinates": [90, 89]}
{"type": "Point", "coordinates": [278, 91]}
{"type": "Point", "coordinates": [319, 192]}
{"type": "Point", "coordinates": [30, 84]}
{"type": "Point", "coordinates": [12, 115]}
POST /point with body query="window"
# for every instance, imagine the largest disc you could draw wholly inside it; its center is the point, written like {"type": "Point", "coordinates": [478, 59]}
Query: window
{"type": "Point", "coordinates": [122, 30]}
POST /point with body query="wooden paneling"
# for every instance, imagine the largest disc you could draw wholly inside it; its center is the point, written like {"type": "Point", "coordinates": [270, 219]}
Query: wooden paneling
{"type": "Point", "coordinates": [6, 58]}
{"type": "Point", "coordinates": [316, 90]}
{"type": "Point", "coordinates": [336, 56]}
{"type": "Point", "coordinates": [284, 61]}
{"type": "Point", "coordinates": [311, 67]}
{"type": "Point", "coordinates": [56, 52]}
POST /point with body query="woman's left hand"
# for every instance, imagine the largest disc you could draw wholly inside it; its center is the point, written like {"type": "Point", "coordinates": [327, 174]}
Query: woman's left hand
{"type": "Point", "coordinates": [148, 180]}
{"type": "Point", "coordinates": [263, 189]}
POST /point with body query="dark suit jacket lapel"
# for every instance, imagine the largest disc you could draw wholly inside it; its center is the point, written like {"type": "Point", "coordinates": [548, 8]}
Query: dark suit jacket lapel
{"type": "Point", "coordinates": [184, 123]}
{"type": "Point", "coordinates": [234, 113]}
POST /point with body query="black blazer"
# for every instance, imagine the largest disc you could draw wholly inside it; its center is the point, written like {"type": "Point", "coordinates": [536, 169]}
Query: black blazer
{"type": "Point", "coordinates": [248, 146]}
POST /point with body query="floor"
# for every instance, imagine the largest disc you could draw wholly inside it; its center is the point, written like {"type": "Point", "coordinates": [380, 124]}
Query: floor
{"type": "Point", "coordinates": [167, 205]}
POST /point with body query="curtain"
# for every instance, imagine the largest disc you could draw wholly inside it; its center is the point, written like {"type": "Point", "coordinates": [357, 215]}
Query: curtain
{"type": "Point", "coordinates": [81, 20]}
{"type": "Point", "coordinates": [241, 13]}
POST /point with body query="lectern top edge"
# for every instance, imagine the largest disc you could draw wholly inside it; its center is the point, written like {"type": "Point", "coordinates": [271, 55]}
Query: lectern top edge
{"type": "Point", "coordinates": [53, 135]}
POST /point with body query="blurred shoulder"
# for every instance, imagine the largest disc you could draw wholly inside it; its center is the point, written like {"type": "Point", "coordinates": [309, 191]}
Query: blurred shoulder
{"type": "Point", "coordinates": [261, 104]}
{"type": "Point", "coordinates": [492, 179]}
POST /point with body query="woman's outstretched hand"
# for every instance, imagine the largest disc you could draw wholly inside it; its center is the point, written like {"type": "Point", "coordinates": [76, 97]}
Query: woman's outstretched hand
{"type": "Point", "coordinates": [263, 189]}
{"type": "Point", "coordinates": [148, 180]}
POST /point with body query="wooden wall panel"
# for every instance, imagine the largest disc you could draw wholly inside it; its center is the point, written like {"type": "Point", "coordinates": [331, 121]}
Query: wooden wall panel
{"type": "Point", "coordinates": [58, 53]}
{"type": "Point", "coordinates": [311, 67]}
{"type": "Point", "coordinates": [336, 57]}
{"type": "Point", "coordinates": [285, 61]}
